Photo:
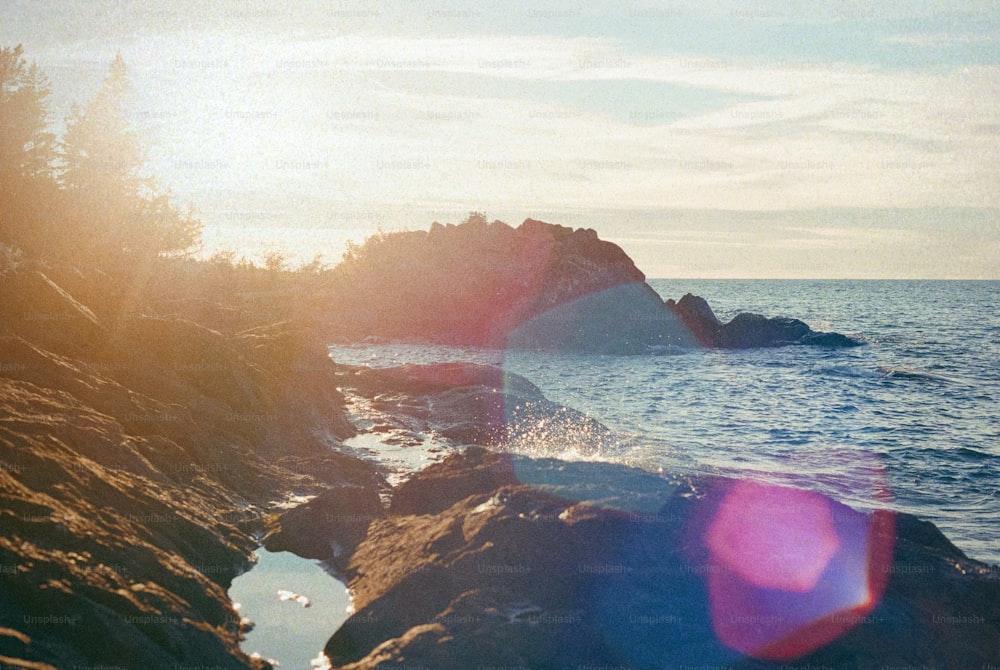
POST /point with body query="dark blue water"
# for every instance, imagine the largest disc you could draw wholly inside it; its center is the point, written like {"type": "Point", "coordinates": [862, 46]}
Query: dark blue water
{"type": "Point", "coordinates": [909, 421]}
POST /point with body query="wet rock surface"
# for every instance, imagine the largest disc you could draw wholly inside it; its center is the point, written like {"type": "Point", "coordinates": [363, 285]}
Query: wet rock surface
{"type": "Point", "coordinates": [489, 559]}
{"type": "Point", "coordinates": [329, 527]}
{"type": "Point", "coordinates": [470, 404]}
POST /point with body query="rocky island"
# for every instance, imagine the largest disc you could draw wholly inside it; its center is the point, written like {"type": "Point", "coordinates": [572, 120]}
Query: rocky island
{"type": "Point", "coordinates": [157, 427]}
{"type": "Point", "coordinates": [538, 286]}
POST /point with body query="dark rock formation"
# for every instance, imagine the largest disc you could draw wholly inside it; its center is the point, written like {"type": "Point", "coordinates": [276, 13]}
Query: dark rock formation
{"type": "Point", "coordinates": [493, 560]}
{"type": "Point", "coordinates": [139, 454]}
{"type": "Point", "coordinates": [329, 527]}
{"type": "Point", "coordinates": [748, 330]}
{"type": "Point", "coordinates": [623, 319]}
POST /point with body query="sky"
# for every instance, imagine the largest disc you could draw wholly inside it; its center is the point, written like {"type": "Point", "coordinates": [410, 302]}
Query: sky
{"type": "Point", "coordinates": [712, 139]}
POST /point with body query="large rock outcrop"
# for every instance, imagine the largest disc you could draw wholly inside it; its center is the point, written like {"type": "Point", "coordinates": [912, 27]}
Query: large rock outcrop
{"type": "Point", "coordinates": [139, 454]}
{"type": "Point", "coordinates": [490, 560]}
{"type": "Point", "coordinates": [538, 286]}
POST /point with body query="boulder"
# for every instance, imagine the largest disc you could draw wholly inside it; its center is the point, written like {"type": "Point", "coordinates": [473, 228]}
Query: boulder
{"type": "Point", "coordinates": [329, 527]}
{"type": "Point", "coordinates": [623, 319]}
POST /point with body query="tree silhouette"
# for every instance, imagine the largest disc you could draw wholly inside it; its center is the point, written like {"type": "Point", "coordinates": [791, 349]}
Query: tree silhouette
{"type": "Point", "coordinates": [116, 208]}
{"type": "Point", "coordinates": [27, 151]}
{"type": "Point", "coordinates": [101, 154]}
{"type": "Point", "coordinates": [27, 148]}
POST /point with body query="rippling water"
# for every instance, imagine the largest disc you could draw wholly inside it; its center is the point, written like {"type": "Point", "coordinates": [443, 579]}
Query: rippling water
{"type": "Point", "coordinates": [910, 421]}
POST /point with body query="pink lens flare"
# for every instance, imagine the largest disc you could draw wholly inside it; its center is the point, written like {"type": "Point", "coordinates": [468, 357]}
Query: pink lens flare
{"type": "Point", "coordinates": [790, 570]}
{"type": "Point", "coordinates": [774, 537]}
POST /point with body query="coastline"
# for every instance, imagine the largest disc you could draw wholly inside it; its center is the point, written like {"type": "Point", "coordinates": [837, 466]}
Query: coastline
{"type": "Point", "coordinates": [156, 435]}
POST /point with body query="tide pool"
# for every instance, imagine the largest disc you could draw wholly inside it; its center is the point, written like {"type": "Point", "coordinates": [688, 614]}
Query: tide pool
{"type": "Point", "coordinates": [289, 629]}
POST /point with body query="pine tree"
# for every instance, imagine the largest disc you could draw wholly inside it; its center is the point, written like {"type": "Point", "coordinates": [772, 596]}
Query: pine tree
{"type": "Point", "coordinates": [101, 154]}
{"type": "Point", "coordinates": [27, 152]}
{"type": "Point", "coordinates": [27, 148]}
{"type": "Point", "coordinates": [117, 209]}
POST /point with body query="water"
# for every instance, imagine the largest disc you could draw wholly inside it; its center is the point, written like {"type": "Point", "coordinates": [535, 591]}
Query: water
{"type": "Point", "coordinates": [909, 421]}
{"type": "Point", "coordinates": [284, 630]}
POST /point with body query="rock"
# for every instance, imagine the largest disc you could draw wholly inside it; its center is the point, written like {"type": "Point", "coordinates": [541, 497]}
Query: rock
{"type": "Point", "coordinates": [697, 316]}
{"type": "Point", "coordinates": [471, 404]}
{"type": "Point", "coordinates": [538, 286]}
{"type": "Point", "coordinates": [139, 455]}
{"type": "Point", "coordinates": [35, 307]}
{"type": "Point", "coordinates": [623, 319]}
{"type": "Point", "coordinates": [829, 340]}
{"type": "Point", "coordinates": [747, 330]}
{"type": "Point", "coordinates": [440, 485]}
{"type": "Point", "coordinates": [329, 527]}
{"type": "Point", "coordinates": [479, 566]}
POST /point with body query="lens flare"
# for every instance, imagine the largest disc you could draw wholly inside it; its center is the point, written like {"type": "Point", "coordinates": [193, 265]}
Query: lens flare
{"type": "Point", "coordinates": [790, 571]}
{"type": "Point", "coordinates": [774, 537]}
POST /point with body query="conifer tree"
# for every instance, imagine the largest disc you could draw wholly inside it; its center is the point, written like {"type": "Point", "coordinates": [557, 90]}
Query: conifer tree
{"type": "Point", "coordinates": [116, 208]}
{"type": "Point", "coordinates": [26, 145]}
{"type": "Point", "coordinates": [101, 153]}
{"type": "Point", "coordinates": [27, 151]}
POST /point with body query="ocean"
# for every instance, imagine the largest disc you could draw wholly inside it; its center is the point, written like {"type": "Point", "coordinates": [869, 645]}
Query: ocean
{"type": "Point", "coordinates": [910, 421]}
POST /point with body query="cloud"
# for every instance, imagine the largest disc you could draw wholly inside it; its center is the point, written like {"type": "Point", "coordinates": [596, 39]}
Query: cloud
{"type": "Point", "coordinates": [373, 110]}
{"type": "Point", "coordinates": [441, 117]}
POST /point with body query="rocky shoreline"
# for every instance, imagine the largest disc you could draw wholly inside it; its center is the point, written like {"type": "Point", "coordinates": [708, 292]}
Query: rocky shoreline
{"type": "Point", "coordinates": [494, 559]}
{"type": "Point", "coordinates": [152, 437]}
{"type": "Point", "coordinates": [490, 558]}
{"type": "Point", "coordinates": [140, 453]}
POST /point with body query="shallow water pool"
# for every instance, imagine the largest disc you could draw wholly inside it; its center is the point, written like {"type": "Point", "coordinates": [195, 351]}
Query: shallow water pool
{"type": "Point", "coordinates": [285, 629]}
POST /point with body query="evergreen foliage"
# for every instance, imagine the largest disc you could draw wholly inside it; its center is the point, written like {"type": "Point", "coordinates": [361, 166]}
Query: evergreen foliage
{"type": "Point", "coordinates": [27, 153]}
{"type": "Point", "coordinates": [85, 197]}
